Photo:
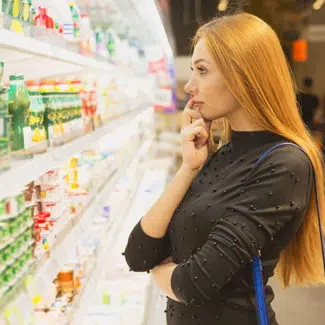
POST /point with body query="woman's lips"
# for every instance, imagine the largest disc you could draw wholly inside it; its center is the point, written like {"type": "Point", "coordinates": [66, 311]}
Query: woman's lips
{"type": "Point", "coordinates": [198, 104]}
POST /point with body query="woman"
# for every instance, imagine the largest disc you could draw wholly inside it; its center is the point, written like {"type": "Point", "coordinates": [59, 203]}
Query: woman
{"type": "Point", "coordinates": [199, 239]}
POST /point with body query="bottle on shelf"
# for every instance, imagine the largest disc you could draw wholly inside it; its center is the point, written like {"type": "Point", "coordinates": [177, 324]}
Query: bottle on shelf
{"type": "Point", "coordinates": [15, 6]}
{"type": "Point", "coordinates": [41, 232]}
{"type": "Point", "coordinates": [19, 103]}
{"type": "Point", "coordinates": [44, 24]}
{"type": "Point", "coordinates": [76, 17]}
{"type": "Point", "coordinates": [24, 10]}
{"type": "Point", "coordinates": [5, 120]}
{"type": "Point", "coordinates": [36, 115]}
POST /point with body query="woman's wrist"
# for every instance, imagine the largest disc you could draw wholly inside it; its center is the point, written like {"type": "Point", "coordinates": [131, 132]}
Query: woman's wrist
{"type": "Point", "coordinates": [188, 172]}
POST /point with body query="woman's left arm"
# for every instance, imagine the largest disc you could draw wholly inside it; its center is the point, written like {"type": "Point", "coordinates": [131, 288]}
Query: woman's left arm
{"type": "Point", "coordinates": [277, 191]}
{"type": "Point", "coordinates": [162, 275]}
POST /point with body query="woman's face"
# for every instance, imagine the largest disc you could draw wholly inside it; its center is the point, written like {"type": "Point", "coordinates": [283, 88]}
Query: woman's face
{"type": "Point", "coordinates": [210, 94]}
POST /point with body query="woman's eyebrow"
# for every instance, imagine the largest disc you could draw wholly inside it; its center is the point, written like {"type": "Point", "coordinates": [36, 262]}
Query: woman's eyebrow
{"type": "Point", "coordinates": [200, 60]}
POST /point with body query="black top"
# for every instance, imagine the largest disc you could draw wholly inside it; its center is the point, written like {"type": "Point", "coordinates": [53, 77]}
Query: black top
{"type": "Point", "coordinates": [233, 208]}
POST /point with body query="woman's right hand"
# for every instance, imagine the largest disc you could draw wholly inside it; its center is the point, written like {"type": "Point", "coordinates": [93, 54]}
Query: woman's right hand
{"type": "Point", "coordinates": [195, 135]}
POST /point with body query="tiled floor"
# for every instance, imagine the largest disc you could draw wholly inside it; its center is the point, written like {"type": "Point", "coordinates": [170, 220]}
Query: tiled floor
{"type": "Point", "coordinates": [299, 306]}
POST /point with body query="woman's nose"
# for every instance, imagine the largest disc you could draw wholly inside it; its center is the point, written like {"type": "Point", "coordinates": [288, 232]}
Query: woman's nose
{"type": "Point", "coordinates": [190, 88]}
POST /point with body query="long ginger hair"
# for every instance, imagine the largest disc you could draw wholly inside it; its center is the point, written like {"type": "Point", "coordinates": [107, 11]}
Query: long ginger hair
{"type": "Point", "coordinates": [249, 55]}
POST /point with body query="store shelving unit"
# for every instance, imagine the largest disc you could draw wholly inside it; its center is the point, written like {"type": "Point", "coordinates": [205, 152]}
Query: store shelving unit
{"type": "Point", "coordinates": [37, 59]}
{"type": "Point", "coordinates": [150, 188]}
{"type": "Point", "coordinates": [22, 172]}
{"type": "Point", "coordinates": [67, 234]}
{"type": "Point", "coordinates": [110, 240]}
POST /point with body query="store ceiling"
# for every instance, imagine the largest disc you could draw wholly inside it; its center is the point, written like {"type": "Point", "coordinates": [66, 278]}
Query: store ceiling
{"type": "Point", "coordinates": [287, 17]}
{"type": "Point", "coordinates": [181, 18]}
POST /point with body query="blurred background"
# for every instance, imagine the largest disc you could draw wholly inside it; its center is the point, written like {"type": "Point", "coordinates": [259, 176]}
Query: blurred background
{"type": "Point", "coordinates": [91, 93]}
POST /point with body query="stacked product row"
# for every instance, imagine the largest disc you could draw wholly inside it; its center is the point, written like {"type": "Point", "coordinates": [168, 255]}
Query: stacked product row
{"type": "Point", "coordinates": [119, 297]}
{"type": "Point", "coordinates": [62, 23]}
{"type": "Point", "coordinates": [35, 115]}
{"type": "Point", "coordinates": [28, 220]}
{"type": "Point", "coordinates": [51, 221]}
{"type": "Point", "coordinates": [16, 243]}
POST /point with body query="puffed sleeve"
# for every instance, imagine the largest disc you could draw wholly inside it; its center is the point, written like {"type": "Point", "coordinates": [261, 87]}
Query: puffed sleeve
{"type": "Point", "coordinates": [277, 190]}
{"type": "Point", "coordinates": [143, 252]}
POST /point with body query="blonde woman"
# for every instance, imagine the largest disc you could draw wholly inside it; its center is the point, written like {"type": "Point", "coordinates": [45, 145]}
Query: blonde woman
{"type": "Point", "coordinates": [200, 237]}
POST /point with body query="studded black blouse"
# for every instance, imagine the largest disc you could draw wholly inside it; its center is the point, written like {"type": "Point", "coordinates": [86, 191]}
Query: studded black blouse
{"type": "Point", "coordinates": [233, 209]}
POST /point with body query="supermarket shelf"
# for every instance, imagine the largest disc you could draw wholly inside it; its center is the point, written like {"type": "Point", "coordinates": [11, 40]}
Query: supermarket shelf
{"type": "Point", "coordinates": [36, 59]}
{"type": "Point", "coordinates": [68, 233]}
{"type": "Point", "coordinates": [23, 172]}
{"type": "Point", "coordinates": [67, 237]}
{"type": "Point", "coordinates": [47, 267]}
{"type": "Point", "coordinates": [12, 260]}
{"type": "Point", "coordinates": [12, 240]}
{"type": "Point", "coordinates": [115, 242]}
{"type": "Point", "coordinates": [77, 313]}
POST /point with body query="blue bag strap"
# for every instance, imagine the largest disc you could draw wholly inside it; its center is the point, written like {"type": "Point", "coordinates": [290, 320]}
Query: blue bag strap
{"type": "Point", "coordinates": [257, 264]}
{"type": "Point", "coordinates": [259, 291]}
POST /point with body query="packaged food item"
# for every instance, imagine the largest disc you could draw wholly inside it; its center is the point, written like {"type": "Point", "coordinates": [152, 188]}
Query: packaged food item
{"type": "Point", "coordinates": [42, 230]}
{"type": "Point", "coordinates": [65, 281]}
{"type": "Point", "coordinates": [51, 110]}
{"type": "Point", "coordinates": [24, 10]}
{"type": "Point", "coordinates": [11, 206]}
{"type": "Point", "coordinates": [19, 102]}
{"type": "Point", "coordinates": [36, 116]}
{"type": "Point", "coordinates": [5, 124]}
{"type": "Point", "coordinates": [76, 16]}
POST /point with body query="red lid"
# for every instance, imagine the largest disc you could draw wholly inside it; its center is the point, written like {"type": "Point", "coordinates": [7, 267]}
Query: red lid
{"type": "Point", "coordinates": [40, 221]}
{"type": "Point", "coordinates": [42, 11]}
{"type": "Point", "coordinates": [43, 216]}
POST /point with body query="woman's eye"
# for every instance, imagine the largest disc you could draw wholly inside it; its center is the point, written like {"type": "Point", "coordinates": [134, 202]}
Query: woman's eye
{"type": "Point", "coordinates": [202, 70]}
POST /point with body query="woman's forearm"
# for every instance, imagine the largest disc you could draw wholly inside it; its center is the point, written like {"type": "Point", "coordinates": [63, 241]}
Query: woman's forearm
{"type": "Point", "coordinates": [155, 222]}
{"type": "Point", "coordinates": [162, 275]}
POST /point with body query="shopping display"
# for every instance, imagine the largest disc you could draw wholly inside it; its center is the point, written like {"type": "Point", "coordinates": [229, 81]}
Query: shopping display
{"type": "Point", "coordinates": [38, 224]}
{"type": "Point", "coordinates": [37, 115]}
{"type": "Point", "coordinates": [62, 23]}
{"type": "Point", "coordinates": [76, 139]}
{"type": "Point", "coordinates": [117, 296]}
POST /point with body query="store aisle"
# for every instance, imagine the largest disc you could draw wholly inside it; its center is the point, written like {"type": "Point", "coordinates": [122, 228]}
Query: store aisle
{"type": "Point", "coordinates": [119, 297]}
{"type": "Point", "coordinates": [299, 306]}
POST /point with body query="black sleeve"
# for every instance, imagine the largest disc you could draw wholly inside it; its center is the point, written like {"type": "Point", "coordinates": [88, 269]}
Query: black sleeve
{"type": "Point", "coordinates": [143, 252]}
{"type": "Point", "coordinates": [277, 191]}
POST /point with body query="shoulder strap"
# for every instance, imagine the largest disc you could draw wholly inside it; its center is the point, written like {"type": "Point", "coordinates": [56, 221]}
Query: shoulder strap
{"type": "Point", "coordinates": [257, 264]}
{"type": "Point", "coordinates": [316, 191]}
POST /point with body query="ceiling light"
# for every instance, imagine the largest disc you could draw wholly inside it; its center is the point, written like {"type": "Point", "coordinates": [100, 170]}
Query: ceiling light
{"type": "Point", "coordinates": [318, 4]}
{"type": "Point", "coordinates": [223, 4]}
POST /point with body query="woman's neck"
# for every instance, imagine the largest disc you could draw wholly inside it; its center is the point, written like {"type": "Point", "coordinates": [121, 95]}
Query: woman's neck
{"type": "Point", "coordinates": [241, 121]}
